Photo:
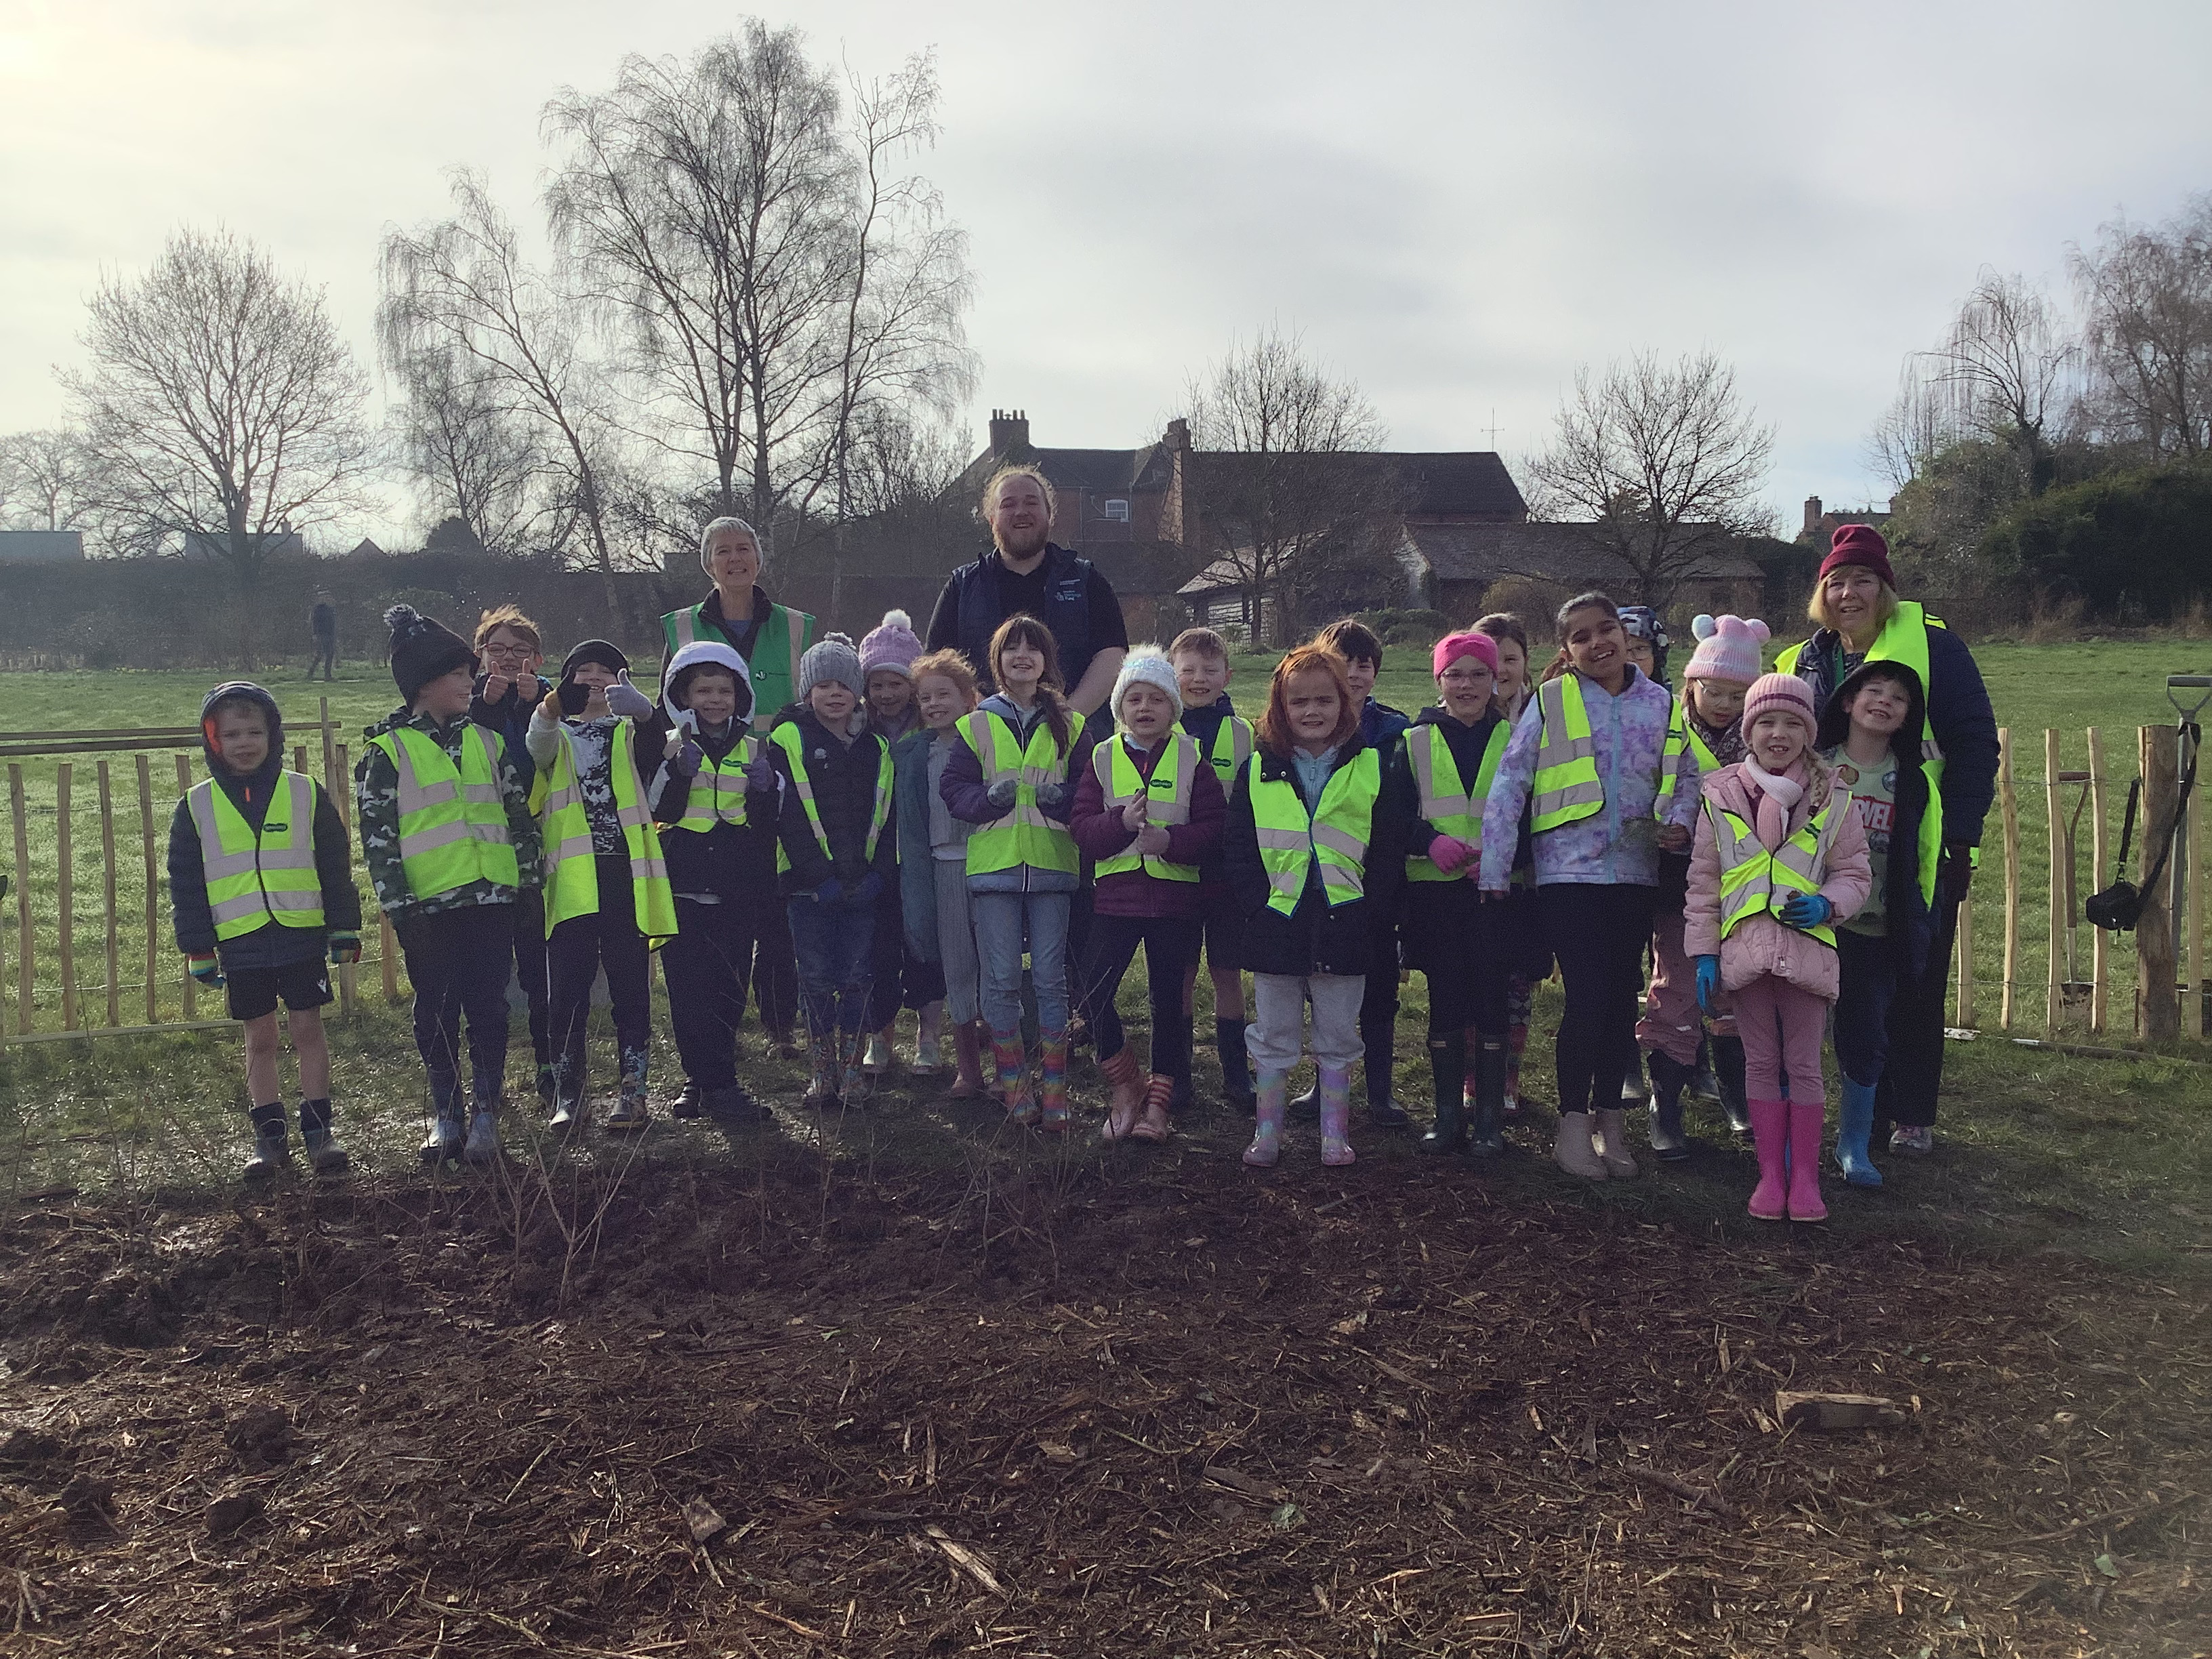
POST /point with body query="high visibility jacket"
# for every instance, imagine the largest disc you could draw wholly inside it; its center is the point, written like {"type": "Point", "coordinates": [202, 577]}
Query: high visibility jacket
{"type": "Point", "coordinates": [1566, 788]}
{"type": "Point", "coordinates": [1447, 803]}
{"type": "Point", "coordinates": [1228, 758]}
{"type": "Point", "coordinates": [784, 636]}
{"type": "Point", "coordinates": [254, 878]}
{"type": "Point", "coordinates": [572, 874]}
{"type": "Point", "coordinates": [1335, 836]}
{"type": "Point", "coordinates": [1167, 799]}
{"type": "Point", "coordinates": [1903, 640]}
{"type": "Point", "coordinates": [1025, 835]}
{"type": "Point", "coordinates": [718, 790]}
{"type": "Point", "coordinates": [1755, 882]}
{"type": "Point", "coordinates": [453, 823]}
{"type": "Point", "coordinates": [1708, 762]}
{"type": "Point", "coordinates": [788, 739]}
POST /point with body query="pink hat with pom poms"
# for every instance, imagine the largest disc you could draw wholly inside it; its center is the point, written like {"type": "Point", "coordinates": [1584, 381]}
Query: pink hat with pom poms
{"type": "Point", "coordinates": [1728, 649]}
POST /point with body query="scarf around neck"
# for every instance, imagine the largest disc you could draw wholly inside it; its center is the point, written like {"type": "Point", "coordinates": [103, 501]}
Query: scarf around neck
{"type": "Point", "coordinates": [1779, 795]}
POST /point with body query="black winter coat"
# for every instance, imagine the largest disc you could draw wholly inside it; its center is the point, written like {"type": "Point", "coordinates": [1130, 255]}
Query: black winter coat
{"type": "Point", "coordinates": [1316, 937]}
{"type": "Point", "coordinates": [736, 862]}
{"type": "Point", "coordinates": [844, 777]}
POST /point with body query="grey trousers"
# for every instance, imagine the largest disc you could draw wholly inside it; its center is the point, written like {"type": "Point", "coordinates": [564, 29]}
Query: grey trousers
{"type": "Point", "coordinates": [955, 941]}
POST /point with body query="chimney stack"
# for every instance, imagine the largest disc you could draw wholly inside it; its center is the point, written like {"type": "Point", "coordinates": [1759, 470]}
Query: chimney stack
{"type": "Point", "coordinates": [1812, 514]}
{"type": "Point", "coordinates": [1178, 433]}
{"type": "Point", "coordinates": [1010, 431]}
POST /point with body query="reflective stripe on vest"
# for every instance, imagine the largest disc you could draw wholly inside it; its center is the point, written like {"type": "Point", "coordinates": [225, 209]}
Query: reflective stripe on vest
{"type": "Point", "coordinates": [1226, 767]}
{"type": "Point", "coordinates": [718, 789]}
{"type": "Point", "coordinates": [787, 739]}
{"type": "Point", "coordinates": [1565, 789]}
{"type": "Point", "coordinates": [254, 878]}
{"type": "Point", "coordinates": [1446, 802]}
{"type": "Point", "coordinates": [1677, 758]}
{"type": "Point", "coordinates": [1025, 835]}
{"type": "Point", "coordinates": [572, 871]}
{"type": "Point", "coordinates": [453, 823]}
{"type": "Point", "coordinates": [1334, 837]}
{"type": "Point", "coordinates": [1904, 640]}
{"type": "Point", "coordinates": [1167, 799]}
{"type": "Point", "coordinates": [1755, 882]}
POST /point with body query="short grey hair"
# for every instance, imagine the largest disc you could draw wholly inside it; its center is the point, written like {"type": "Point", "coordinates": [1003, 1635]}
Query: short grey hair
{"type": "Point", "coordinates": [707, 536]}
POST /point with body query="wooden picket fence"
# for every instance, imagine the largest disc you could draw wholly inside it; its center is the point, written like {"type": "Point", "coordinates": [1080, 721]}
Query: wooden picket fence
{"type": "Point", "coordinates": [50, 995]}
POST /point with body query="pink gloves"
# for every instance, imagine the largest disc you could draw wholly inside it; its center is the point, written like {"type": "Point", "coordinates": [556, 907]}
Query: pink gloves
{"type": "Point", "coordinates": [1451, 854]}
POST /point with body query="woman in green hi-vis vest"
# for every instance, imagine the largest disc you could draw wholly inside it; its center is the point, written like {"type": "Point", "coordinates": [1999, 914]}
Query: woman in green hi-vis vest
{"type": "Point", "coordinates": [771, 638]}
{"type": "Point", "coordinates": [739, 614]}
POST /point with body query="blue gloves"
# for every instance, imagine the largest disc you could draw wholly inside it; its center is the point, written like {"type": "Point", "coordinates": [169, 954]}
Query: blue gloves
{"type": "Point", "coordinates": [1708, 981]}
{"type": "Point", "coordinates": [687, 759]}
{"type": "Point", "coordinates": [1806, 910]}
{"type": "Point", "coordinates": [871, 888]}
{"type": "Point", "coordinates": [831, 891]}
{"type": "Point", "coordinates": [1001, 793]}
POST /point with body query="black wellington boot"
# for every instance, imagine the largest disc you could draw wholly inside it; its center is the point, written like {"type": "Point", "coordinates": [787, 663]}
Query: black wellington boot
{"type": "Point", "coordinates": [1488, 1136]}
{"type": "Point", "coordinates": [1668, 1079]}
{"type": "Point", "coordinates": [1728, 1072]}
{"type": "Point", "coordinates": [1448, 1063]}
{"type": "Point", "coordinates": [1236, 1068]}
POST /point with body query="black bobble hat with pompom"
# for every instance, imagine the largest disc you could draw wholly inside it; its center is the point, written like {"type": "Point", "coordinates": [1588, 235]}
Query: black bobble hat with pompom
{"type": "Point", "coordinates": [422, 650]}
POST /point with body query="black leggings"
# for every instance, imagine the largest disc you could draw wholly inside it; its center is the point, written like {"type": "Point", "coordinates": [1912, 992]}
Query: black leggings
{"type": "Point", "coordinates": [1917, 1011]}
{"type": "Point", "coordinates": [706, 966]}
{"type": "Point", "coordinates": [1598, 934]}
{"type": "Point", "coordinates": [578, 949]}
{"type": "Point", "coordinates": [1171, 949]}
{"type": "Point", "coordinates": [457, 960]}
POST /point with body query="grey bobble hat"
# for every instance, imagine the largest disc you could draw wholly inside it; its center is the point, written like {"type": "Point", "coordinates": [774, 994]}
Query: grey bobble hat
{"type": "Point", "coordinates": [832, 659]}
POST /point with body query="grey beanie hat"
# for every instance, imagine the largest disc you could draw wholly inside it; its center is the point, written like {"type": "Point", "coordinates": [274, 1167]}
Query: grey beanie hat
{"type": "Point", "coordinates": [832, 658]}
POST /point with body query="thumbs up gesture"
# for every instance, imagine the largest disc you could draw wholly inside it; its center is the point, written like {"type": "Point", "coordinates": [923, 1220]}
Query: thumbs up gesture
{"type": "Point", "coordinates": [626, 700]}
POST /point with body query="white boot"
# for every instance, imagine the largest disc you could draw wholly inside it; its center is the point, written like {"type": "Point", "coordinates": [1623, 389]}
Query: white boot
{"type": "Point", "coordinates": [1572, 1150]}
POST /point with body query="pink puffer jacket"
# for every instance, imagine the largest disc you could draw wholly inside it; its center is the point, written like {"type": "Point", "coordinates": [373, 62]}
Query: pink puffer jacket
{"type": "Point", "coordinates": [1760, 944]}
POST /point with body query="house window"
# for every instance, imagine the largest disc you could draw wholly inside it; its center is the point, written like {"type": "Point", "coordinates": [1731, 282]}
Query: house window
{"type": "Point", "coordinates": [1118, 509]}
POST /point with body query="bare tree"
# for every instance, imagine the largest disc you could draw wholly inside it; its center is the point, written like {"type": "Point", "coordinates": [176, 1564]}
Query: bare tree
{"type": "Point", "coordinates": [473, 459]}
{"type": "Point", "coordinates": [2005, 374]}
{"type": "Point", "coordinates": [2146, 294]}
{"type": "Point", "coordinates": [772, 273]}
{"type": "Point", "coordinates": [1285, 470]}
{"type": "Point", "coordinates": [46, 480]}
{"type": "Point", "coordinates": [1664, 460]}
{"type": "Point", "coordinates": [222, 405]}
{"type": "Point", "coordinates": [460, 292]}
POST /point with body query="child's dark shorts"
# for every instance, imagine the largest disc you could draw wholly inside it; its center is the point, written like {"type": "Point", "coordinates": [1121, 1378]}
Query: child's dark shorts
{"type": "Point", "coordinates": [254, 992]}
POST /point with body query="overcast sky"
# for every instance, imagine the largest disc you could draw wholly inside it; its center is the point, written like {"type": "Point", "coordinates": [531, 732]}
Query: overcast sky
{"type": "Point", "coordinates": [1456, 203]}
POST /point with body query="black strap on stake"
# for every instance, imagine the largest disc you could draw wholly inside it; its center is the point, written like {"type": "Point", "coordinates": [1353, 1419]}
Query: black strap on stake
{"type": "Point", "coordinates": [2119, 906]}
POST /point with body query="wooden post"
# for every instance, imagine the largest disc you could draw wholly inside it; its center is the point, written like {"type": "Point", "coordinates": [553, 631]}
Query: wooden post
{"type": "Point", "coordinates": [2100, 964]}
{"type": "Point", "coordinates": [2054, 972]}
{"type": "Point", "coordinates": [2009, 800]}
{"type": "Point", "coordinates": [153, 890]}
{"type": "Point", "coordinates": [330, 754]}
{"type": "Point", "coordinates": [300, 759]}
{"type": "Point", "coordinates": [25, 985]}
{"type": "Point", "coordinates": [191, 986]}
{"type": "Point", "coordinates": [65, 901]}
{"type": "Point", "coordinates": [2155, 940]}
{"type": "Point", "coordinates": [2192, 848]}
{"type": "Point", "coordinates": [107, 894]}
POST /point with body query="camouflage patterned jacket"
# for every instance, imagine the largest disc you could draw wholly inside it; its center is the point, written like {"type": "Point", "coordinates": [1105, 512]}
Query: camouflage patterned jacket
{"type": "Point", "coordinates": [376, 794]}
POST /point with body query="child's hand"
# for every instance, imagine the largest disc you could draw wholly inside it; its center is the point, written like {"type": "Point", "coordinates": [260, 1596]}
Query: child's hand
{"type": "Point", "coordinates": [346, 949]}
{"type": "Point", "coordinates": [1133, 815]}
{"type": "Point", "coordinates": [205, 967]}
{"type": "Point", "coordinates": [1806, 910]}
{"type": "Point", "coordinates": [1708, 981]}
{"type": "Point", "coordinates": [547, 710]}
{"type": "Point", "coordinates": [831, 891]}
{"type": "Point", "coordinates": [1674, 838]}
{"type": "Point", "coordinates": [626, 702]}
{"type": "Point", "coordinates": [1152, 840]}
{"type": "Point", "coordinates": [1049, 793]}
{"type": "Point", "coordinates": [494, 687]}
{"type": "Point", "coordinates": [1001, 793]}
{"type": "Point", "coordinates": [760, 771]}
{"type": "Point", "coordinates": [871, 888]}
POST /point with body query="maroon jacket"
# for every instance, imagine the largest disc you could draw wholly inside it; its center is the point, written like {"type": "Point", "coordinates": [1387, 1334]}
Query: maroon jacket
{"type": "Point", "coordinates": [1101, 835]}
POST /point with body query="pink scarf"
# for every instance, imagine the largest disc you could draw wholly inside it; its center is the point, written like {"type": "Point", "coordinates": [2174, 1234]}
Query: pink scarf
{"type": "Point", "coordinates": [1778, 798]}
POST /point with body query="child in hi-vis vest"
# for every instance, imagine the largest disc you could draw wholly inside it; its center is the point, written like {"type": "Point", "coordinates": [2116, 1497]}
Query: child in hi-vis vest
{"type": "Point", "coordinates": [1148, 810]}
{"type": "Point", "coordinates": [1203, 671]}
{"type": "Point", "coordinates": [1779, 859]}
{"type": "Point", "coordinates": [715, 799]}
{"type": "Point", "coordinates": [1312, 865]}
{"type": "Point", "coordinates": [1438, 779]}
{"type": "Point", "coordinates": [263, 897]}
{"type": "Point", "coordinates": [1011, 774]}
{"type": "Point", "coordinates": [447, 836]}
{"type": "Point", "coordinates": [1524, 930]}
{"type": "Point", "coordinates": [607, 899]}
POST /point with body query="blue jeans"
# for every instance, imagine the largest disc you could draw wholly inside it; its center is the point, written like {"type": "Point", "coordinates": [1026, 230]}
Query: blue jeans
{"type": "Point", "coordinates": [1003, 922]}
{"type": "Point", "coordinates": [834, 943]}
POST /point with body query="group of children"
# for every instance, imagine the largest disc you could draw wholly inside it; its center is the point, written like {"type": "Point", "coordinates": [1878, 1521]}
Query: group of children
{"type": "Point", "coordinates": [981, 859]}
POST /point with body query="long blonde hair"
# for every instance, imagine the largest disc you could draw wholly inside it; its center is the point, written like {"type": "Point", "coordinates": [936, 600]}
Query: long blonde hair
{"type": "Point", "coordinates": [1816, 608]}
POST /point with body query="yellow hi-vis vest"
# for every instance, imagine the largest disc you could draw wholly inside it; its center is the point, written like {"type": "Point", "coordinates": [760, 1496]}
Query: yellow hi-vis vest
{"type": "Point", "coordinates": [1904, 640]}
{"type": "Point", "coordinates": [718, 788]}
{"type": "Point", "coordinates": [452, 824]}
{"type": "Point", "coordinates": [1335, 836]}
{"type": "Point", "coordinates": [1755, 882]}
{"type": "Point", "coordinates": [788, 739]}
{"type": "Point", "coordinates": [1025, 835]}
{"type": "Point", "coordinates": [572, 874]}
{"type": "Point", "coordinates": [1446, 801]}
{"type": "Point", "coordinates": [1566, 788]}
{"type": "Point", "coordinates": [254, 879]}
{"type": "Point", "coordinates": [1167, 799]}
{"type": "Point", "coordinates": [1228, 762]}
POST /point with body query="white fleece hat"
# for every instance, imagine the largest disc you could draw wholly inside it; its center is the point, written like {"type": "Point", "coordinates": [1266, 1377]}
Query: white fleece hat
{"type": "Point", "coordinates": [701, 653]}
{"type": "Point", "coordinates": [1146, 665]}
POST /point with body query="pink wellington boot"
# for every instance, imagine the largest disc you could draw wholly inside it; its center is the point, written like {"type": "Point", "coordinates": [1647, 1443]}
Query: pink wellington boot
{"type": "Point", "coordinates": [1769, 1135]}
{"type": "Point", "coordinates": [1806, 1122]}
{"type": "Point", "coordinates": [1336, 1117]}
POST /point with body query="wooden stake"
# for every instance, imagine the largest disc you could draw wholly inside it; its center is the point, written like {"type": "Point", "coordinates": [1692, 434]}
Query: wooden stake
{"type": "Point", "coordinates": [2192, 847]}
{"type": "Point", "coordinates": [2054, 976]}
{"type": "Point", "coordinates": [331, 780]}
{"type": "Point", "coordinates": [341, 787]}
{"type": "Point", "coordinates": [153, 890]}
{"type": "Point", "coordinates": [2100, 964]}
{"type": "Point", "coordinates": [25, 985]}
{"type": "Point", "coordinates": [300, 759]}
{"type": "Point", "coordinates": [65, 905]}
{"type": "Point", "coordinates": [107, 895]}
{"type": "Point", "coordinates": [2009, 800]}
{"type": "Point", "coordinates": [2155, 940]}
{"type": "Point", "coordinates": [191, 986]}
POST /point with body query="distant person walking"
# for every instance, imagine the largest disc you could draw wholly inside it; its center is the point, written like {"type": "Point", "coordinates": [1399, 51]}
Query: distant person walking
{"type": "Point", "coordinates": [323, 624]}
{"type": "Point", "coordinates": [1861, 620]}
{"type": "Point", "coordinates": [1024, 573]}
